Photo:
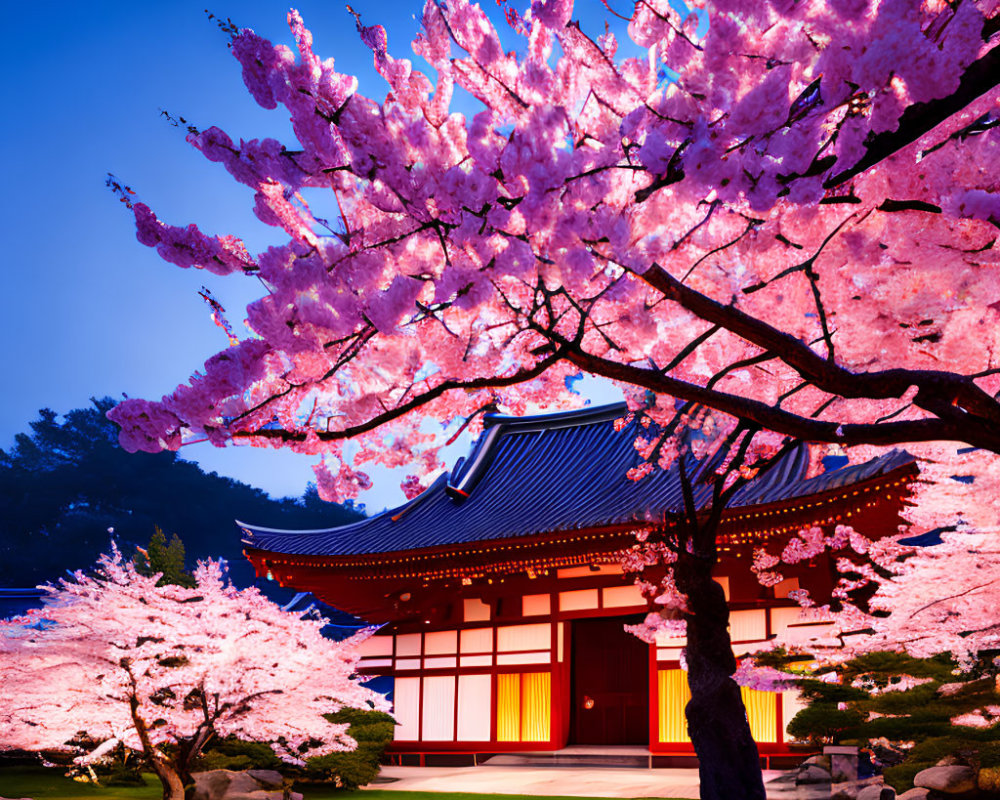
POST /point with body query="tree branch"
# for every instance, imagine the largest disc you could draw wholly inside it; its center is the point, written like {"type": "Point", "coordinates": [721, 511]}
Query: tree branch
{"type": "Point", "coordinates": [940, 386]}
{"type": "Point", "coordinates": [417, 402]}
{"type": "Point", "coordinates": [919, 118]}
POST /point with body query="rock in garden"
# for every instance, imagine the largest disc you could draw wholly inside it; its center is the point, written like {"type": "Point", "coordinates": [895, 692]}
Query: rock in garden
{"type": "Point", "coordinates": [211, 785]}
{"type": "Point", "coordinates": [947, 780]}
{"type": "Point", "coordinates": [267, 778]}
{"type": "Point", "coordinates": [877, 791]}
{"type": "Point", "coordinates": [917, 793]}
{"type": "Point", "coordinates": [812, 774]}
{"type": "Point", "coordinates": [224, 784]}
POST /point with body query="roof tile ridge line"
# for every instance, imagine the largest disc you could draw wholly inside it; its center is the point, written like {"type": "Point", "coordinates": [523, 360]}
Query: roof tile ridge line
{"type": "Point", "coordinates": [397, 513]}
{"type": "Point", "coordinates": [448, 550]}
{"type": "Point", "coordinates": [250, 528]}
{"type": "Point", "coordinates": [858, 473]}
{"type": "Point", "coordinates": [865, 478]}
{"type": "Point", "coordinates": [848, 475]}
{"type": "Point", "coordinates": [472, 469]}
{"type": "Point", "coordinates": [578, 416]}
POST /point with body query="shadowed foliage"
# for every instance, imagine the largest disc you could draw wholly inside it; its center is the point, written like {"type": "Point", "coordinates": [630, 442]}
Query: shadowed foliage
{"type": "Point", "coordinates": [65, 483]}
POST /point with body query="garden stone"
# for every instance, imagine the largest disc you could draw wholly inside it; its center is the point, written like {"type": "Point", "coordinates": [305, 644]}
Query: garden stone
{"type": "Point", "coordinates": [819, 761]}
{"type": "Point", "coordinates": [916, 793]}
{"type": "Point", "coordinates": [843, 770]}
{"type": "Point", "coordinates": [812, 774]}
{"type": "Point", "coordinates": [211, 785]}
{"type": "Point", "coordinates": [268, 778]}
{"type": "Point", "coordinates": [877, 791]}
{"type": "Point", "coordinates": [947, 780]}
{"type": "Point", "coordinates": [242, 783]}
{"type": "Point", "coordinates": [224, 784]}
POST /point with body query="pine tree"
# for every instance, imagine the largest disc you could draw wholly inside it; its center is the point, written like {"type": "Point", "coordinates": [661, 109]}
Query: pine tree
{"type": "Point", "coordinates": [167, 559]}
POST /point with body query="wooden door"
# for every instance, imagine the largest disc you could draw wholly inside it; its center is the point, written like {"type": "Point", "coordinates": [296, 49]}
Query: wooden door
{"type": "Point", "coordinates": [610, 683]}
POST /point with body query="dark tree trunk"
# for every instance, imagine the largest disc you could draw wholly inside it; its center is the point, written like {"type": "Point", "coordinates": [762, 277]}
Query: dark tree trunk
{"type": "Point", "coordinates": [173, 786]}
{"type": "Point", "coordinates": [729, 764]}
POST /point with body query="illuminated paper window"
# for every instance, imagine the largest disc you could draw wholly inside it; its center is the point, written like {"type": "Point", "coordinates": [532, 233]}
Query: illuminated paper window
{"type": "Point", "coordinates": [579, 599]}
{"type": "Point", "coordinates": [524, 707]}
{"type": "Point", "coordinates": [438, 716]}
{"type": "Point", "coordinates": [748, 626]}
{"type": "Point", "coordinates": [474, 696]}
{"type": "Point", "coordinates": [524, 637]}
{"type": "Point", "coordinates": [673, 696]}
{"type": "Point", "coordinates": [477, 640]}
{"type": "Point", "coordinates": [762, 712]}
{"type": "Point", "coordinates": [406, 708]}
{"type": "Point", "coordinates": [440, 643]}
{"type": "Point", "coordinates": [622, 596]}
{"type": "Point", "coordinates": [475, 610]}
{"type": "Point", "coordinates": [791, 704]}
{"type": "Point", "coordinates": [534, 605]}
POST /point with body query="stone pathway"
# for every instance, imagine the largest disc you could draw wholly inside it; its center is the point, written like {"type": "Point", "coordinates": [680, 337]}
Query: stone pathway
{"type": "Point", "coordinates": [548, 781]}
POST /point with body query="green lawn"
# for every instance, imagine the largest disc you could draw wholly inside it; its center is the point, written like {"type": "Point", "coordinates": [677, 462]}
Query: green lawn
{"type": "Point", "coordinates": [39, 783]}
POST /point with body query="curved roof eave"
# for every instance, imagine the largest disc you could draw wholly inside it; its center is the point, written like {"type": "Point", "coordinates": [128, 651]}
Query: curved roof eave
{"type": "Point", "coordinates": [546, 473]}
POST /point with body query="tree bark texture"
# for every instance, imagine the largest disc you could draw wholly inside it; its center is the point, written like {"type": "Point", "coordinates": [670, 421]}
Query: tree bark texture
{"type": "Point", "coordinates": [173, 786]}
{"type": "Point", "coordinates": [729, 764]}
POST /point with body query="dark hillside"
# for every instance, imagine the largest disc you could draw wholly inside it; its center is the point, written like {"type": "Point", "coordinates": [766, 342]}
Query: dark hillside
{"type": "Point", "coordinates": [64, 484]}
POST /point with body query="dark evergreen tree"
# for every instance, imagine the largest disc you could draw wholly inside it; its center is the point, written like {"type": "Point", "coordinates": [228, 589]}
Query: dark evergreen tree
{"type": "Point", "coordinates": [167, 559]}
{"type": "Point", "coordinates": [66, 487]}
{"type": "Point", "coordinates": [902, 709]}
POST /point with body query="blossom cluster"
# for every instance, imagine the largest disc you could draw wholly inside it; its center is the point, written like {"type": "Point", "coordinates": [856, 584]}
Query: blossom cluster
{"type": "Point", "coordinates": [121, 659]}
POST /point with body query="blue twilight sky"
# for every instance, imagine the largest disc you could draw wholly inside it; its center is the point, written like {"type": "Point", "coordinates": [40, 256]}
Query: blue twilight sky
{"type": "Point", "coordinates": [87, 310]}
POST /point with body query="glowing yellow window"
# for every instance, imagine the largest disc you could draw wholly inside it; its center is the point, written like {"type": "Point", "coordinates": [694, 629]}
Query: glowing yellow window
{"type": "Point", "coordinates": [673, 696]}
{"type": "Point", "coordinates": [762, 712]}
{"type": "Point", "coordinates": [524, 706]}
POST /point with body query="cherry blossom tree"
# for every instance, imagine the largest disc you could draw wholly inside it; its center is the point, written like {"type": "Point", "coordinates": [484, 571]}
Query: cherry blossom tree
{"type": "Point", "coordinates": [787, 215]}
{"type": "Point", "coordinates": [112, 659]}
{"type": "Point", "coordinates": [936, 599]}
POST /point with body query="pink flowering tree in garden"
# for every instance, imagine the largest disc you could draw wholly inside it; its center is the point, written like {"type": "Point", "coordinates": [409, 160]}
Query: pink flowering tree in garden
{"type": "Point", "coordinates": [114, 659]}
{"type": "Point", "coordinates": [789, 219]}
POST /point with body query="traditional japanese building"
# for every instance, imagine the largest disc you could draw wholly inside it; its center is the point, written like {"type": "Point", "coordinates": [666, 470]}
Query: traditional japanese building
{"type": "Point", "coordinates": [504, 602]}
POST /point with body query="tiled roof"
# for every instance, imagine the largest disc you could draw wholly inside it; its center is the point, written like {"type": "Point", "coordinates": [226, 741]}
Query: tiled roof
{"type": "Point", "coordinates": [534, 475]}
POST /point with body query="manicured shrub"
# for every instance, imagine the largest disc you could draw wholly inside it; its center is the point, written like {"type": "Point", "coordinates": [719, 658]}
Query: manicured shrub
{"type": "Point", "coordinates": [235, 754]}
{"type": "Point", "coordinates": [349, 770]}
{"type": "Point", "coordinates": [882, 704]}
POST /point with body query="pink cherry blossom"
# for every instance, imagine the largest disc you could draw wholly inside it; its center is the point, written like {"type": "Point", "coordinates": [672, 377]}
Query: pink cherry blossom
{"type": "Point", "coordinates": [122, 660]}
{"type": "Point", "coordinates": [797, 232]}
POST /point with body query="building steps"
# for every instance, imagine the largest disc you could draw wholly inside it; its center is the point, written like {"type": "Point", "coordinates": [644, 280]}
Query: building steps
{"type": "Point", "coordinates": [577, 756]}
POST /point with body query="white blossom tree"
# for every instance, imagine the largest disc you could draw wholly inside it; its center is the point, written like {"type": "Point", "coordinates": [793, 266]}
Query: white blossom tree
{"type": "Point", "coordinates": [114, 658]}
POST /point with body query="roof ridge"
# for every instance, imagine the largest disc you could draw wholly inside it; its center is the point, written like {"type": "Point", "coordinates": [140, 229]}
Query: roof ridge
{"type": "Point", "coordinates": [559, 419]}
